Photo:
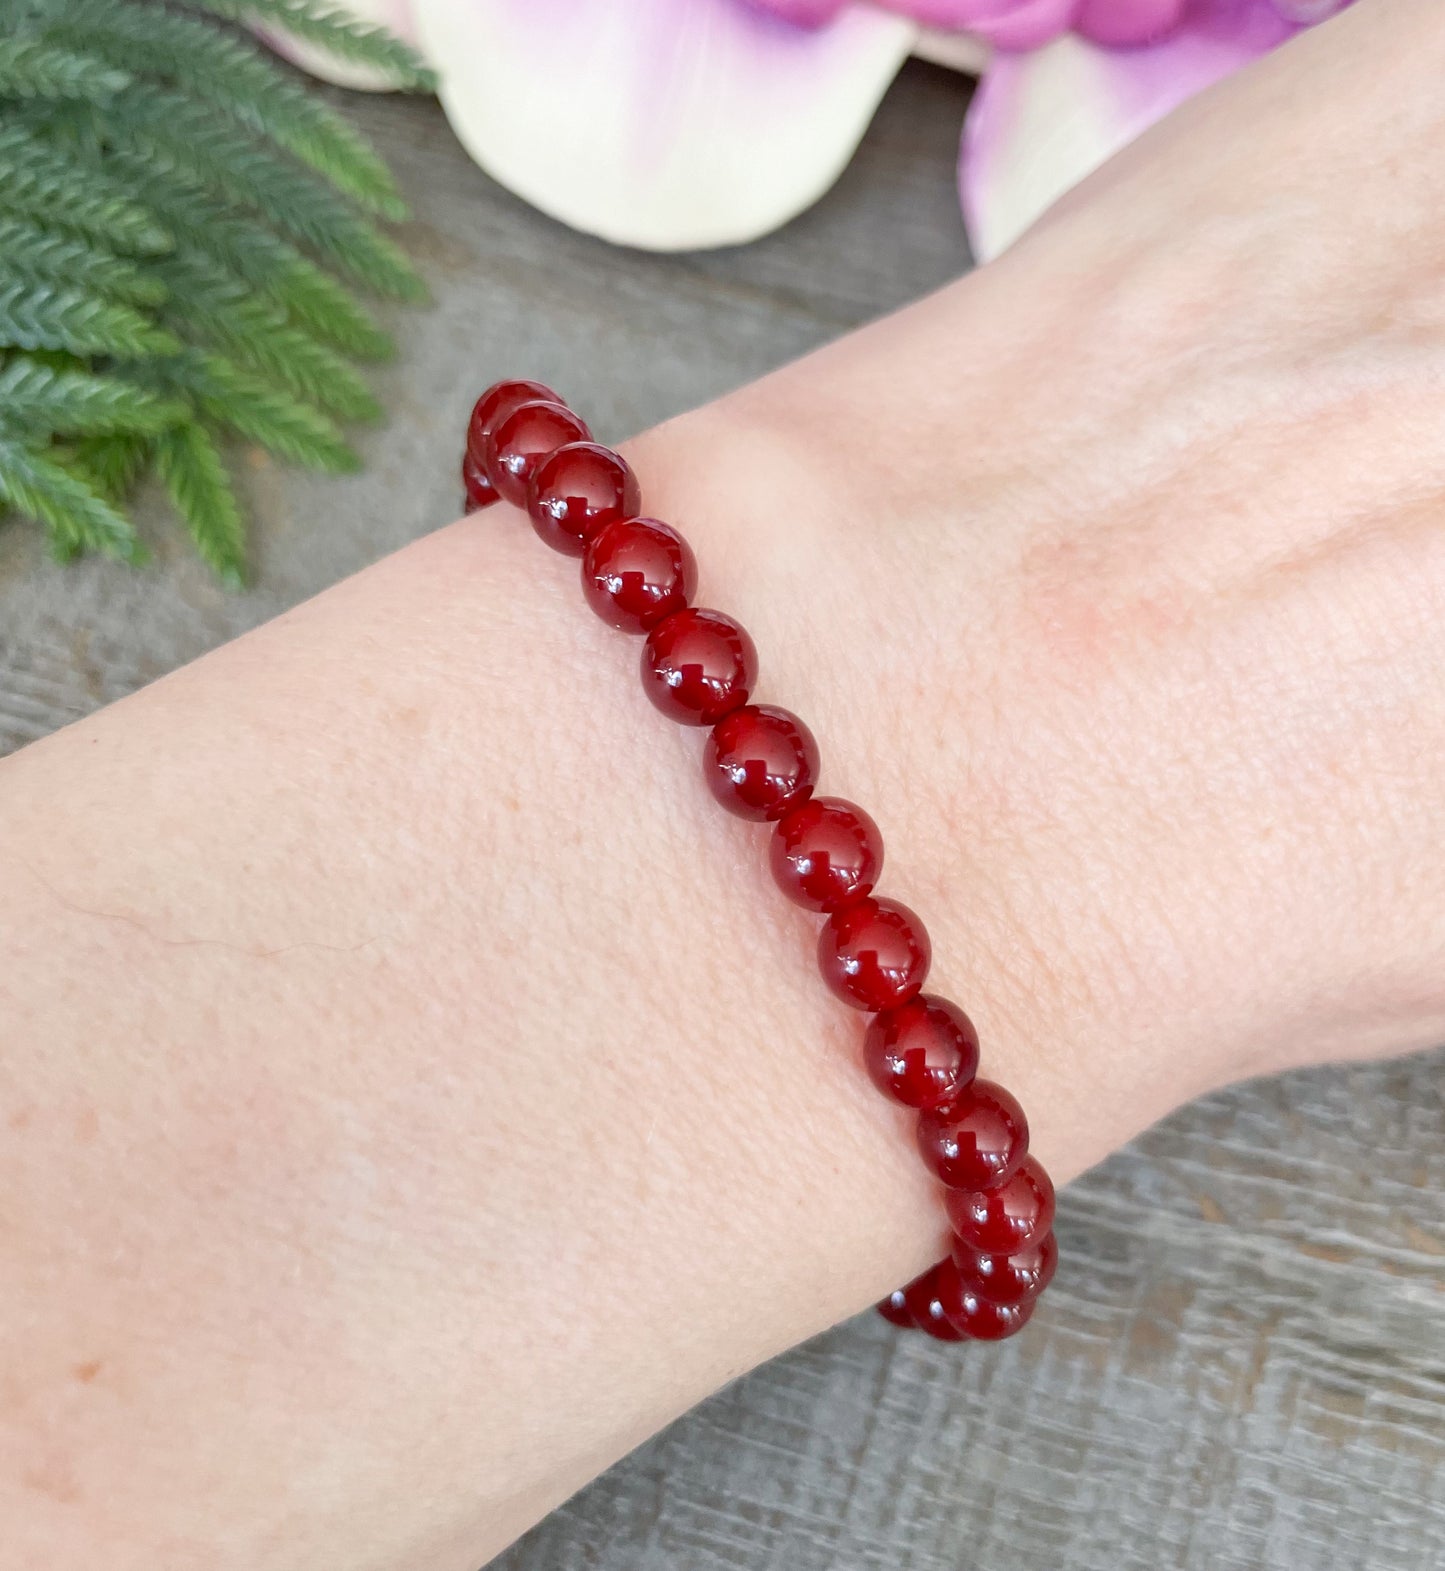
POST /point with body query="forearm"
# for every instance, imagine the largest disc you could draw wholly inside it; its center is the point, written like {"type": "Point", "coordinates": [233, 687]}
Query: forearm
{"type": "Point", "coordinates": [415, 1084]}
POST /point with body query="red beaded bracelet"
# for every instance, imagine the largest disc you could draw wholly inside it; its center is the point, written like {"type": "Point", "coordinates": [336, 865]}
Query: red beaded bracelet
{"type": "Point", "coordinates": [525, 446]}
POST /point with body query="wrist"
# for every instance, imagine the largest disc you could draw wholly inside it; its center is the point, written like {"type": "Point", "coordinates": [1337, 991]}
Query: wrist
{"type": "Point", "coordinates": [900, 636]}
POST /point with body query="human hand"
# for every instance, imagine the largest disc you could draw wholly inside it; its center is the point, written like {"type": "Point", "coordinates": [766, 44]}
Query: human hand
{"type": "Point", "coordinates": [1152, 514]}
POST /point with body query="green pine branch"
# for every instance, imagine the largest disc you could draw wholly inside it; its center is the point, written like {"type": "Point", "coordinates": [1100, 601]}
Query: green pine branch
{"type": "Point", "coordinates": [191, 469]}
{"type": "Point", "coordinates": [34, 68]}
{"type": "Point", "coordinates": [181, 228]}
{"type": "Point", "coordinates": [222, 311]}
{"type": "Point", "coordinates": [311, 297]}
{"type": "Point", "coordinates": [214, 67]}
{"type": "Point", "coordinates": [316, 22]}
{"type": "Point", "coordinates": [61, 259]}
{"type": "Point", "coordinates": [39, 316]}
{"type": "Point", "coordinates": [55, 187]}
{"type": "Point", "coordinates": [38, 400]}
{"type": "Point", "coordinates": [247, 404]}
{"type": "Point", "coordinates": [161, 126]}
{"type": "Point", "coordinates": [293, 200]}
{"type": "Point", "coordinates": [77, 517]}
{"type": "Point", "coordinates": [111, 464]}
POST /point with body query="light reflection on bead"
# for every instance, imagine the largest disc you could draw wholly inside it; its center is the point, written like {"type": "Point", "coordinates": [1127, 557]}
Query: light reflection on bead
{"type": "Point", "coordinates": [999, 1221]}
{"type": "Point", "coordinates": [874, 953]}
{"type": "Point", "coordinates": [826, 853]}
{"type": "Point", "coordinates": [516, 445]}
{"type": "Point", "coordinates": [577, 490]}
{"type": "Point", "coordinates": [977, 1141]}
{"type": "Point", "coordinates": [637, 572]}
{"type": "Point", "coordinates": [698, 666]}
{"type": "Point", "coordinates": [499, 400]}
{"type": "Point", "coordinates": [1009, 1279]}
{"type": "Point", "coordinates": [923, 1053]}
{"type": "Point", "coordinates": [760, 761]}
{"type": "Point", "coordinates": [477, 491]}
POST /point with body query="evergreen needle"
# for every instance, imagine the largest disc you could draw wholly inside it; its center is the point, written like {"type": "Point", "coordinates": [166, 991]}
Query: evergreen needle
{"type": "Point", "coordinates": [183, 231]}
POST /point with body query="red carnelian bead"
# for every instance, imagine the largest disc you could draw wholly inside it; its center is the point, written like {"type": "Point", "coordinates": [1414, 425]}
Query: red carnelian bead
{"type": "Point", "coordinates": [477, 491]}
{"type": "Point", "coordinates": [697, 666]}
{"type": "Point", "coordinates": [636, 572]}
{"type": "Point", "coordinates": [999, 1221]}
{"type": "Point", "coordinates": [577, 490]}
{"type": "Point", "coordinates": [923, 1301]}
{"type": "Point", "coordinates": [1009, 1279]}
{"type": "Point", "coordinates": [499, 400]}
{"type": "Point", "coordinates": [895, 1310]}
{"type": "Point", "coordinates": [985, 1322]}
{"type": "Point", "coordinates": [760, 761]}
{"type": "Point", "coordinates": [874, 953]}
{"type": "Point", "coordinates": [977, 1141]}
{"type": "Point", "coordinates": [944, 1331]}
{"type": "Point", "coordinates": [517, 444]}
{"type": "Point", "coordinates": [923, 1053]}
{"type": "Point", "coordinates": [826, 853]}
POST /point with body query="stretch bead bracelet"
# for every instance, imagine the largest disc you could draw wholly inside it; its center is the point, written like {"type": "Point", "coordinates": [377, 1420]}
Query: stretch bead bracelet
{"type": "Point", "coordinates": [524, 445]}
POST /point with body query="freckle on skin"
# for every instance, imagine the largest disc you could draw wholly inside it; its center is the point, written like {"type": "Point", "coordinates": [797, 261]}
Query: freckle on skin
{"type": "Point", "coordinates": [87, 1125]}
{"type": "Point", "coordinates": [53, 1476]}
{"type": "Point", "coordinates": [87, 1371]}
{"type": "Point", "coordinates": [21, 1118]}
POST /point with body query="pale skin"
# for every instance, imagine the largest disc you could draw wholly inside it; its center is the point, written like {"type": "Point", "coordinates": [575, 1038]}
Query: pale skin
{"type": "Point", "coordinates": [414, 1091]}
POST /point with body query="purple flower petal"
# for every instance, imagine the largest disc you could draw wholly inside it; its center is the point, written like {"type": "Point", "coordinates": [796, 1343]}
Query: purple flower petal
{"type": "Point", "coordinates": [1007, 24]}
{"type": "Point", "coordinates": [1030, 24]}
{"type": "Point", "coordinates": [1128, 22]}
{"type": "Point", "coordinates": [1041, 122]}
{"type": "Point", "coordinates": [802, 13]}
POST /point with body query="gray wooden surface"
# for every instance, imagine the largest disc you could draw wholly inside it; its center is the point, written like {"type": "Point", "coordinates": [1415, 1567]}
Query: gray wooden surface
{"type": "Point", "coordinates": [1243, 1361]}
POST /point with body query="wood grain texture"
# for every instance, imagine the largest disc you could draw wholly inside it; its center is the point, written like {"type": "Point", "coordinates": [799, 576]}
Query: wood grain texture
{"type": "Point", "coordinates": [1242, 1364]}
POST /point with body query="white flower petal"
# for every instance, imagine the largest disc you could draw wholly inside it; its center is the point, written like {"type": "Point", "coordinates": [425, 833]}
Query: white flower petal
{"type": "Point", "coordinates": [666, 124]}
{"type": "Point", "coordinates": [1040, 123]}
{"type": "Point", "coordinates": [964, 52]}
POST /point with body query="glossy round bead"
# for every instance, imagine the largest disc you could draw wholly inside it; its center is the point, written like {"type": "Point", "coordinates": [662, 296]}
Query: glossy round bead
{"type": "Point", "coordinates": [977, 1318]}
{"type": "Point", "coordinates": [923, 1053]}
{"type": "Point", "coordinates": [895, 1310]}
{"type": "Point", "coordinates": [923, 1301]}
{"type": "Point", "coordinates": [477, 491]}
{"type": "Point", "coordinates": [636, 572]}
{"type": "Point", "coordinates": [576, 491]}
{"type": "Point", "coordinates": [517, 444]}
{"type": "Point", "coordinates": [760, 761]}
{"type": "Point", "coordinates": [874, 954]}
{"type": "Point", "coordinates": [1010, 1279]}
{"type": "Point", "coordinates": [1000, 1221]}
{"type": "Point", "coordinates": [698, 666]}
{"type": "Point", "coordinates": [977, 1141]}
{"type": "Point", "coordinates": [944, 1331]}
{"type": "Point", "coordinates": [499, 400]}
{"type": "Point", "coordinates": [826, 853]}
